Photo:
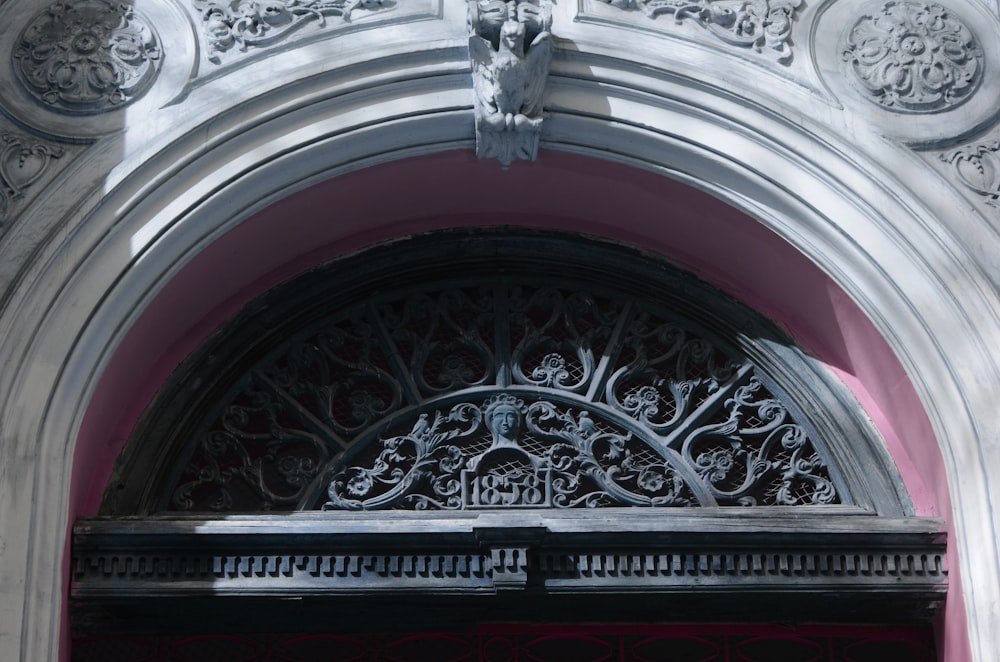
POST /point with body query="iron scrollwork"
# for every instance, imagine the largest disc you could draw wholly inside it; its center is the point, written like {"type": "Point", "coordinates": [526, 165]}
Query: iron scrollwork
{"type": "Point", "coordinates": [538, 454]}
{"type": "Point", "coordinates": [504, 395]}
{"type": "Point", "coordinates": [758, 455]}
{"type": "Point", "coordinates": [669, 373]}
{"type": "Point", "coordinates": [558, 337]}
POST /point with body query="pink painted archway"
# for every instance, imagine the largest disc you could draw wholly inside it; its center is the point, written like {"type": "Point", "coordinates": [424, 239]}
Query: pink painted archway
{"type": "Point", "coordinates": [561, 192]}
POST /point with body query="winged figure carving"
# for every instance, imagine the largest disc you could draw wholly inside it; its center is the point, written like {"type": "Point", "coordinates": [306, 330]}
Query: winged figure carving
{"type": "Point", "coordinates": [509, 78]}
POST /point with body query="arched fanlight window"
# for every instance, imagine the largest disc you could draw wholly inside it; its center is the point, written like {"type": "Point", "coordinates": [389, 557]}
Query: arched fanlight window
{"type": "Point", "coordinates": [477, 413]}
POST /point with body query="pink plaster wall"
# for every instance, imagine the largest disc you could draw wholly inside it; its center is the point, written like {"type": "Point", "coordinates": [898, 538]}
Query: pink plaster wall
{"type": "Point", "coordinates": [561, 192]}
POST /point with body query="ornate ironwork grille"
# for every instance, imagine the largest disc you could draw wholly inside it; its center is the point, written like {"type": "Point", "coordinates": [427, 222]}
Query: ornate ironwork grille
{"type": "Point", "coordinates": [462, 420]}
{"type": "Point", "coordinates": [517, 383]}
{"type": "Point", "coordinates": [503, 392]}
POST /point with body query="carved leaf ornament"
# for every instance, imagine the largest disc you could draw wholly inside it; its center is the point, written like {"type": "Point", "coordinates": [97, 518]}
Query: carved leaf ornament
{"type": "Point", "coordinates": [504, 393]}
{"type": "Point", "coordinates": [23, 161]}
{"type": "Point", "coordinates": [755, 24]}
{"type": "Point", "coordinates": [978, 167]}
{"type": "Point", "coordinates": [242, 24]}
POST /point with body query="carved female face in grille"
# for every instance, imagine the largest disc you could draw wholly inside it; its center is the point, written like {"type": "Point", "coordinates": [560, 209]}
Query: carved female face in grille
{"type": "Point", "coordinates": [504, 422]}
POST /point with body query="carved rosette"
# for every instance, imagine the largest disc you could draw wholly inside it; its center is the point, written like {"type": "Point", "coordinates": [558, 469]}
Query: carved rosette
{"type": "Point", "coordinates": [978, 168]}
{"type": "Point", "coordinates": [913, 57]}
{"type": "Point", "coordinates": [87, 56]}
{"type": "Point", "coordinates": [23, 161]}
{"type": "Point", "coordinates": [763, 25]}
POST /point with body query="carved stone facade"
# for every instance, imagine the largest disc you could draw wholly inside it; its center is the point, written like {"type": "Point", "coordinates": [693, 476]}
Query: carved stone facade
{"type": "Point", "coordinates": [913, 57]}
{"type": "Point", "coordinates": [871, 156]}
{"type": "Point", "coordinates": [568, 459]}
{"type": "Point", "coordinates": [88, 56]}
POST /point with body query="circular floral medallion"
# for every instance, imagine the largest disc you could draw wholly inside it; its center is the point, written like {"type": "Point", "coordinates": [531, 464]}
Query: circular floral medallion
{"type": "Point", "coordinates": [87, 56]}
{"type": "Point", "coordinates": [913, 57]}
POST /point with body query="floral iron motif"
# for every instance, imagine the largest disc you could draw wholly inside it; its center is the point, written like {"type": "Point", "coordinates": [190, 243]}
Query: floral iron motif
{"type": "Point", "coordinates": [503, 395]}
{"type": "Point", "coordinates": [758, 456]}
{"type": "Point", "coordinates": [913, 57]}
{"type": "Point", "coordinates": [88, 56]}
{"type": "Point", "coordinates": [757, 24]}
{"type": "Point", "coordinates": [562, 458]}
{"type": "Point", "coordinates": [242, 24]}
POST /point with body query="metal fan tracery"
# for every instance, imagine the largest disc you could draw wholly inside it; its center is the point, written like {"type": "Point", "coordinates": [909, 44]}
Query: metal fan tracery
{"type": "Point", "coordinates": [500, 393]}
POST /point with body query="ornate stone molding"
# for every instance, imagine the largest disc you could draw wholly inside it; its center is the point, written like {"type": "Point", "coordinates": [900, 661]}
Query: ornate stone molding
{"type": "Point", "coordinates": [761, 25]}
{"type": "Point", "coordinates": [244, 24]}
{"type": "Point", "coordinates": [885, 561]}
{"type": "Point", "coordinates": [23, 161]}
{"type": "Point", "coordinates": [168, 571]}
{"type": "Point", "coordinates": [977, 166]}
{"type": "Point", "coordinates": [913, 57]}
{"type": "Point", "coordinates": [87, 56]}
{"type": "Point", "coordinates": [510, 49]}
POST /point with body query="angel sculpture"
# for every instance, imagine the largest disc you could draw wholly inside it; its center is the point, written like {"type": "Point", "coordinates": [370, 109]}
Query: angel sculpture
{"type": "Point", "coordinates": [509, 79]}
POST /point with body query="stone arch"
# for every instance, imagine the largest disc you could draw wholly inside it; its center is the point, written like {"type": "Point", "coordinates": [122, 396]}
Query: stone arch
{"type": "Point", "coordinates": [107, 252]}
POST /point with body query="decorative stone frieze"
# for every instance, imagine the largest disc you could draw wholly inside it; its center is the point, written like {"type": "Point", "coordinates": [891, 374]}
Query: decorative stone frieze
{"type": "Point", "coordinates": [23, 161]}
{"type": "Point", "coordinates": [977, 166]}
{"type": "Point", "coordinates": [882, 559]}
{"type": "Point", "coordinates": [913, 57]}
{"type": "Point", "coordinates": [244, 24]}
{"type": "Point", "coordinates": [508, 568]}
{"type": "Point", "coordinates": [762, 25]}
{"type": "Point", "coordinates": [510, 49]}
{"type": "Point", "coordinates": [87, 56]}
